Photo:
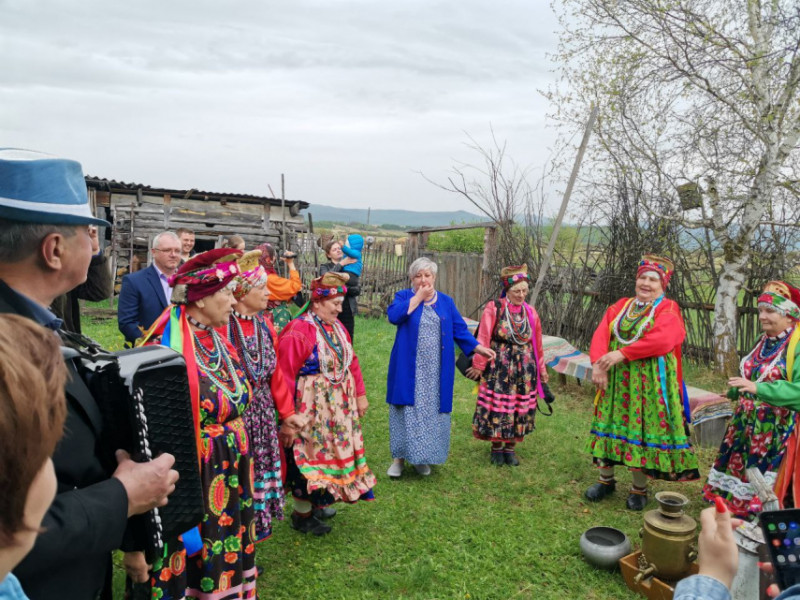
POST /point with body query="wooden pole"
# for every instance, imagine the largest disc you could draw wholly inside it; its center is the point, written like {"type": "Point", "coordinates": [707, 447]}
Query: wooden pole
{"type": "Point", "coordinates": [314, 250]}
{"type": "Point", "coordinates": [283, 212]}
{"type": "Point", "coordinates": [489, 253]}
{"type": "Point", "coordinates": [133, 231]}
{"type": "Point", "coordinates": [557, 224]}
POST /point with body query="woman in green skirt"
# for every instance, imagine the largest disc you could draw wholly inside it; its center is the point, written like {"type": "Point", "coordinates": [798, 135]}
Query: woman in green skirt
{"type": "Point", "coordinates": [640, 416]}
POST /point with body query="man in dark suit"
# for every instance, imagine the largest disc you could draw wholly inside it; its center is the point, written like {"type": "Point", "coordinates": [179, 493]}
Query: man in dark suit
{"type": "Point", "coordinates": [146, 293]}
{"type": "Point", "coordinates": [45, 250]}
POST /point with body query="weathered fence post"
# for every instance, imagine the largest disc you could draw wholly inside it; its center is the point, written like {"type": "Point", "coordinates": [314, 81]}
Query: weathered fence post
{"type": "Point", "coordinates": [489, 254]}
{"type": "Point", "coordinates": [557, 224]}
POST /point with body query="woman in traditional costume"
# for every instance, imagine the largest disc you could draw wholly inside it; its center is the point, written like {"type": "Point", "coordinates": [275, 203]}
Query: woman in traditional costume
{"type": "Point", "coordinates": [254, 339]}
{"type": "Point", "coordinates": [337, 261]}
{"type": "Point", "coordinates": [419, 388]}
{"type": "Point", "coordinates": [640, 417]}
{"type": "Point", "coordinates": [325, 461]}
{"type": "Point", "coordinates": [281, 290]}
{"type": "Point", "coordinates": [763, 431]}
{"type": "Point", "coordinates": [511, 387]}
{"type": "Point", "coordinates": [221, 555]}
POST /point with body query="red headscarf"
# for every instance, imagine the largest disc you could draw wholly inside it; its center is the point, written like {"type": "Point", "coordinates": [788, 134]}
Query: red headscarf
{"type": "Point", "coordinates": [204, 274]}
{"type": "Point", "coordinates": [267, 259]}
{"type": "Point", "coordinates": [660, 265]}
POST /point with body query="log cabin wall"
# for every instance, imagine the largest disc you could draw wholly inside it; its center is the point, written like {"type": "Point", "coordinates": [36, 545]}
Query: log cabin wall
{"type": "Point", "coordinates": [139, 213]}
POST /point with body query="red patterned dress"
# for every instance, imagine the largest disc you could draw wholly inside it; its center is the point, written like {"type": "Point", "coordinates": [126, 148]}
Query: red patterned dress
{"type": "Point", "coordinates": [761, 430]}
{"type": "Point", "coordinates": [225, 567]}
{"type": "Point", "coordinates": [327, 463]}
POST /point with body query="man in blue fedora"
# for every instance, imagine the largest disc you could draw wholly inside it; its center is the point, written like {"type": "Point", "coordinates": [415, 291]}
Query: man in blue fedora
{"type": "Point", "coordinates": [45, 250]}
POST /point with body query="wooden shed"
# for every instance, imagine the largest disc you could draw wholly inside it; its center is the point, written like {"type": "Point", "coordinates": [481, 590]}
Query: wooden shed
{"type": "Point", "coordinates": [139, 212]}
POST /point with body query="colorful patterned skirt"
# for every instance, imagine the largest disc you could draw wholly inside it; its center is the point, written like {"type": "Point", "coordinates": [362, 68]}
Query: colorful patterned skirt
{"type": "Point", "coordinates": [225, 567]}
{"type": "Point", "coordinates": [327, 462]}
{"type": "Point", "coordinates": [507, 399]}
{"type": "Point", "coordinates": [280, 315]}
{"type": "Point", "coordinates": [756, 437]}
{"type": "Point", "coordinates": [636, 426]}
{"type": "Point", "coordinates": [261, 421]}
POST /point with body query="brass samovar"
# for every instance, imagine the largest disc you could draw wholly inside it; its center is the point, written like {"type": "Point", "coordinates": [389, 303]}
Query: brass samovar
{"type": "Point", "coordinates": [668, 537]}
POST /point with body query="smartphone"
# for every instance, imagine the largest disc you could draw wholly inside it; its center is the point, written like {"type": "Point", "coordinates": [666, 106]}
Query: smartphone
{"type": "Point", "coordinates": [782, 533]}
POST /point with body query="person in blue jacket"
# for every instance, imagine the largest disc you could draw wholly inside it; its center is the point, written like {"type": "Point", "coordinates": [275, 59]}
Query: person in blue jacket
{"type": "Point", "coordinates": [353, 265]}
{"type": "Point", "coordinates": [352, 248]}
{"type": "Point", "coordinates": [421, 370]}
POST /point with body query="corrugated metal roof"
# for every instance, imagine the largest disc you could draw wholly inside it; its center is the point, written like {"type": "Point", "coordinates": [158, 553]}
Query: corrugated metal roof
{"type": "Point", "coordinates": [122, 187]}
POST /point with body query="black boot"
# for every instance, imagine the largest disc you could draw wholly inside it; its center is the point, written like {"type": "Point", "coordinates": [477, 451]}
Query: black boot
{"type": "Point", "coordinates": [637, 499]}
{"type": "Point", "coordinates": [309, 524]}
{"type": "Point", "coordinates": [497, 458]}
{"type": "Point", "coordinates": [511, 457]}
{"type": "Point", "coordinates": [325, 513]}
{"type": "Point", "coordinates": [601, 489]}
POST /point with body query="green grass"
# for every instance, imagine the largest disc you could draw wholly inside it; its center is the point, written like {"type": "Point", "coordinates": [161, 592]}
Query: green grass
{"type": "Point", "coordinates": [470, 530]}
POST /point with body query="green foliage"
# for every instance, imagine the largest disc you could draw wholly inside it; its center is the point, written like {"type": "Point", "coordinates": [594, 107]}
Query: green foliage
{"type": "Point", "coordinates": [469, 531]}
{"type": "Point", "coordinates": [459, 240]}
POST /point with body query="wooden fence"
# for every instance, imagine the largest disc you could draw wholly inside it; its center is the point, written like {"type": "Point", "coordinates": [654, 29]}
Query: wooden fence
{"type": "Point", "coordinates": [574, 313]}
{"type": "Point", "coordinates": [459, 276]}
{"type": "Point", "coordinates": [571, 302]}
{"type": "Point", "coordinates": [386, 272]}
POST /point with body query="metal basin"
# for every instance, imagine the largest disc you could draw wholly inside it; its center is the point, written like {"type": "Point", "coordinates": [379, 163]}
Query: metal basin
{"type": "Point", "coordinates": [604, 546]}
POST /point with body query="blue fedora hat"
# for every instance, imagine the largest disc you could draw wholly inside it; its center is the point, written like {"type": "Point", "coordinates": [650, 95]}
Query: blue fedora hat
{"type": "Point", "coordinates": [41, 188]}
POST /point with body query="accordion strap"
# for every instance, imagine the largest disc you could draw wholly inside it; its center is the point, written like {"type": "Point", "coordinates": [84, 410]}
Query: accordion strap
{"type": "Point", "coordinates": [86, 347]}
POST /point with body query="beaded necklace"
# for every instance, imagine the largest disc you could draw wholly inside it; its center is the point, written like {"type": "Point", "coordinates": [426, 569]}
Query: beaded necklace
{"type": "Point", "coordinates": [768, 349]}
{"type": "Point", "coordinates": [198, 324]}
{"type": "Point", "coordinates": [332, 344]}
{"type": "Point", "coordinates": [637, 309]}
{"type": "Point", "coordinates": [635, 316]}
{"type": "Point", "coordinates": [520, 331]}
{"type": "Point", "coordinates": [210, 362]}
{"type": "Point", "coordinates": [256, 361]}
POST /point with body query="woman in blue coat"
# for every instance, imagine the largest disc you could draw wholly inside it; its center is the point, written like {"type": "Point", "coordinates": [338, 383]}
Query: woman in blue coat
{"type": "Point", "coordinates": [421, 370]}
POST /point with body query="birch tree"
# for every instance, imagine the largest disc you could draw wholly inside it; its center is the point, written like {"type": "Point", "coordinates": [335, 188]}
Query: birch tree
{"type": "Point", "coordinates": [702, 91]}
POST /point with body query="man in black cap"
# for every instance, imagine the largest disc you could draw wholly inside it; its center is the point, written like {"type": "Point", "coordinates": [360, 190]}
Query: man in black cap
{"type": "Point", "coordinates": [45, 250]}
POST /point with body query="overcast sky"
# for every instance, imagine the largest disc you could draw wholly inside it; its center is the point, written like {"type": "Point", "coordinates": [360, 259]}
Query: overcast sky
{"type": "Point", "coordinates": [350, 99]}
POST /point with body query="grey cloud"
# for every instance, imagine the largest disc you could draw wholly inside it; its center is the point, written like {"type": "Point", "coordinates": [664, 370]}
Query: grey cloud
{"type": "Point", "coordinates": [209, 94]}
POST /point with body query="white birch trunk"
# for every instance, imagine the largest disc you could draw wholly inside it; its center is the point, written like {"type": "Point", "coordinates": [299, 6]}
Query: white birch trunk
{"type": "Point", "coordinates": [731, 280]}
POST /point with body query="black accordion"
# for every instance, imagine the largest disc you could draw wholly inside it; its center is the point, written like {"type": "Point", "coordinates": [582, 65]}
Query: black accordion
{"type": "Point", "coordinates": [143, 395]}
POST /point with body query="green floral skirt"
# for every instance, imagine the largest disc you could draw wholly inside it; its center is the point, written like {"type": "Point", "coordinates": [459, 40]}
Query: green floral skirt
{"type": "Point", "coordinates": [637, 426]}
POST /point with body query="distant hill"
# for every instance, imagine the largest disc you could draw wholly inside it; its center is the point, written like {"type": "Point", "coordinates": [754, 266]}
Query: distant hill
{"type": "Point", "coordinates": [405, 218]}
